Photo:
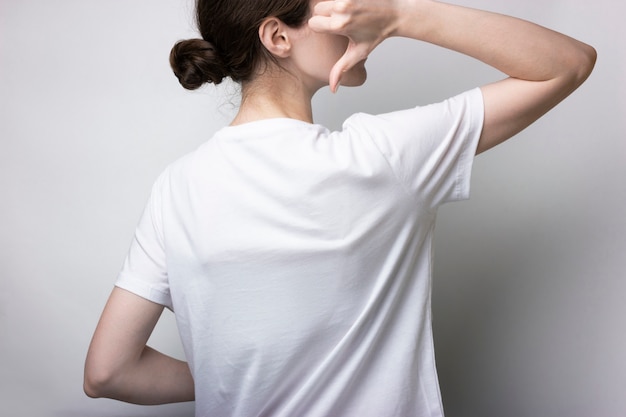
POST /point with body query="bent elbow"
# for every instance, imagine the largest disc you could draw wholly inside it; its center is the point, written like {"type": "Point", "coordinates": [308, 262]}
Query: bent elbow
{"type": "Point", "coordinates": [98, 382]}
{"type": "Point", "coordinates": [592, 57]}
{"type": "Point", "coordinates": [94, 387]}
{"type": "Point", "coordinates": [585, 63]}
{"type": "Point", "coordinates": [90, 389]}
{"type": "Point", "coordinates": [576, 69]}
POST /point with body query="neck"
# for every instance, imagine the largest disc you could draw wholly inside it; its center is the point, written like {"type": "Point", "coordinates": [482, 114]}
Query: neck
{"type": "Point", "coordinates": [272, 95]}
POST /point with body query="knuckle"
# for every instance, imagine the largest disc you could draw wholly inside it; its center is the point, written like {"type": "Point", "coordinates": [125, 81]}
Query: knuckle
{"type": "Point", "coordinates": [341, 7]}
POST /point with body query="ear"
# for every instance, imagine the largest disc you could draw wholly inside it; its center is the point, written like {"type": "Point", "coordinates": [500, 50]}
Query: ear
{"type": "Point", "coordinates": [275, 37]}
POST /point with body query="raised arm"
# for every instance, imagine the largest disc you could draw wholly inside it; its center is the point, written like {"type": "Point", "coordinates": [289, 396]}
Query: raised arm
{"type": "Point", "coordinates": [119, 365]}
{"type": "Point", "coordinates": [543, 66]}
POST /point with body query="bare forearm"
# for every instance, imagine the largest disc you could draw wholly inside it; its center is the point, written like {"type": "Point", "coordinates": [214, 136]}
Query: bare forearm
{"type": "Point", "coordinates": [516, 47]}
{"type": "Point", "coordinates": [153, 378]}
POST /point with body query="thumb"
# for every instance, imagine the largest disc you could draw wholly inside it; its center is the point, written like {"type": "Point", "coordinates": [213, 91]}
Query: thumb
{"type": "Point", "coordinates": [354, 54]}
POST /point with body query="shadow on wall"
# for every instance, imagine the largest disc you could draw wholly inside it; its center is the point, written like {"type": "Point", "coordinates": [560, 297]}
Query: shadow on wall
{"type": "Point", "coordinates": [509, 315]}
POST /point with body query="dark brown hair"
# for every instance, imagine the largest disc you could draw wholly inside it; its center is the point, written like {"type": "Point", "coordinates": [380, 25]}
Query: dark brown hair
{"type": "Point", "coordinates": [230, 44]}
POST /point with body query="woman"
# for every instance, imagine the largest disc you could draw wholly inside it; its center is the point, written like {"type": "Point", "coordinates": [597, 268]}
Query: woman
{"type": "Point", "coordinates": [297, 260]}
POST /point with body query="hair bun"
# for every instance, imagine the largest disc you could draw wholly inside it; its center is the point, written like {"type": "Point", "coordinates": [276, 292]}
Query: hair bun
{"type": "Point", "coordinates": [195, 62]}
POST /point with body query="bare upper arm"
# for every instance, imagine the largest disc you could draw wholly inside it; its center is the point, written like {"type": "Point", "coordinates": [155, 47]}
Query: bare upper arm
{"type": "Point", "coordinates": [512, 104]}
{"type": "Point", "coordinates": [121, 335]}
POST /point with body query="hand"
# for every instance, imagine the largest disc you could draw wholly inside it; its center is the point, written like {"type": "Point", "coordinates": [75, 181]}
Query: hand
{"type": "Point", "coordinates": [366, 23]}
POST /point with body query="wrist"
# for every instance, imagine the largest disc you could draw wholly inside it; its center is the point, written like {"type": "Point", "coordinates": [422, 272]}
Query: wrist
{"type": "Point", "coordinates": [414, 19]}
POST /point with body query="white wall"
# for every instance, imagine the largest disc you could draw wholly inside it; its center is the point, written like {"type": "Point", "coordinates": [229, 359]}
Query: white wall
{"type": "Point", "coordinates": [530, 273]}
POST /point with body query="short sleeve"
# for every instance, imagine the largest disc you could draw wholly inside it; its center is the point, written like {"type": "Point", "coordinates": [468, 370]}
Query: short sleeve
{"type": "Point", "coordinates": [144, 272]}
{"type": "Point", "coordinates": [430, 148]}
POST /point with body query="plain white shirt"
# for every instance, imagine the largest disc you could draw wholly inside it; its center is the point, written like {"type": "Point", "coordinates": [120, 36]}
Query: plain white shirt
{"type": "Point", "coordinates": [298, 260]}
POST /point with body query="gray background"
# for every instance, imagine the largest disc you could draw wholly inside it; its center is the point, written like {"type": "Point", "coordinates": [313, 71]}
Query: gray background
{"type": "Point", "coordinates": [530, 273]}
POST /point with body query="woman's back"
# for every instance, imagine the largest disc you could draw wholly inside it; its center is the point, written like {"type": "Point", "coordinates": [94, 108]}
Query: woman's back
{"type": "Point", "coordinates": [298, 260]}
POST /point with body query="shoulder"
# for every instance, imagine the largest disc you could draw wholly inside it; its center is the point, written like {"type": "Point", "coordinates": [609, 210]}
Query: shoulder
{"type": "Point", "coordinates": [425, 126]}
{"type": "Point", "coordinates": [175, 173]}
{"type": "Point", "coordinates": [467, 106]}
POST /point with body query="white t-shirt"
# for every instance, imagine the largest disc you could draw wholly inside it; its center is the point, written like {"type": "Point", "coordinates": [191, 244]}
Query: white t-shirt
{"type": "Point", "coordinates": [298, 260]}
